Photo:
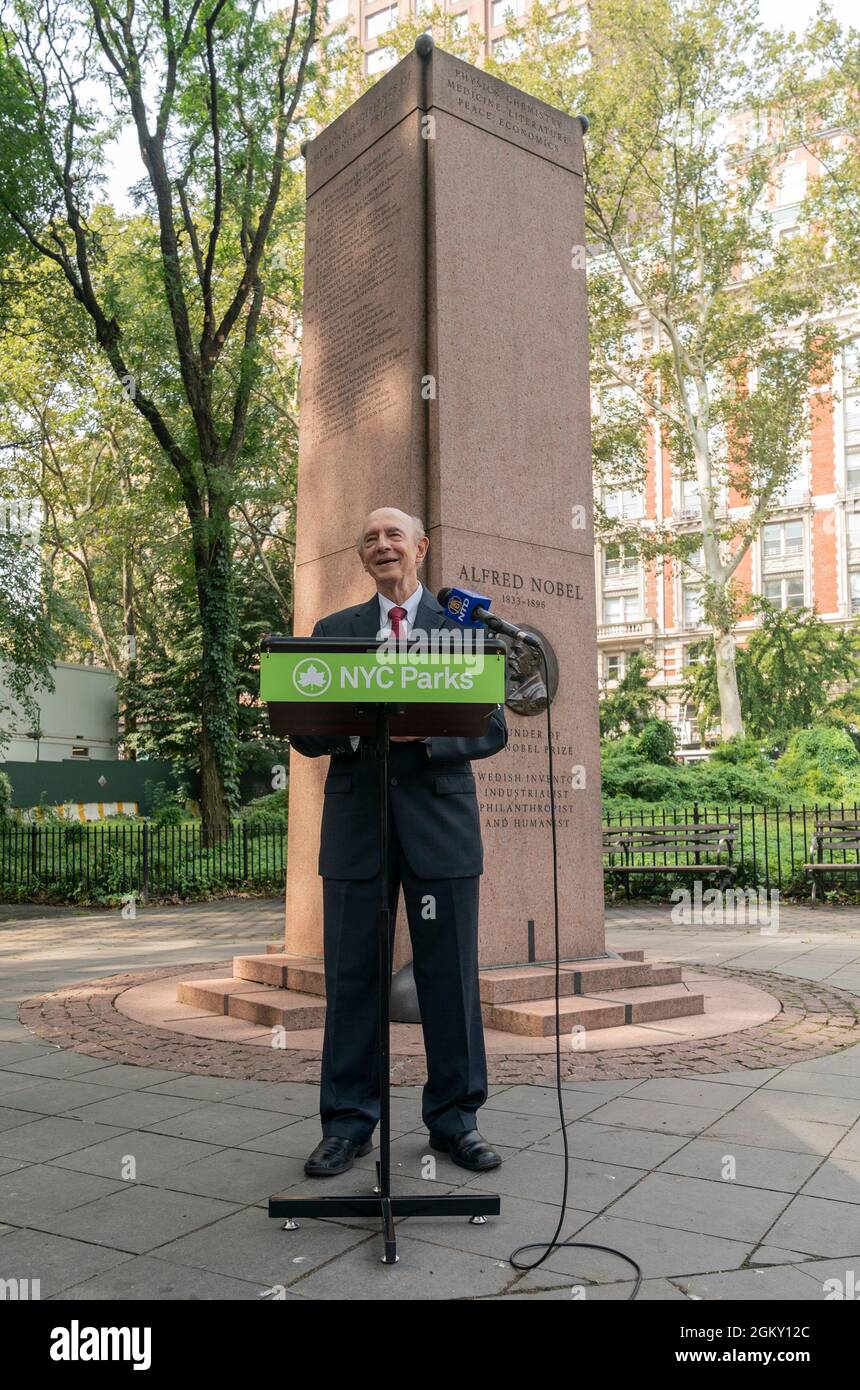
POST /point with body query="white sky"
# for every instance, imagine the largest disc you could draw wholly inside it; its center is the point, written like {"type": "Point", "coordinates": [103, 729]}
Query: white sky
{"type": "Point", "coordinates": [126, 167]}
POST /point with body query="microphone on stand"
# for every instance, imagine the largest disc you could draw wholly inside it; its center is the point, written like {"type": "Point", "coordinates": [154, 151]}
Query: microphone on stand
{"type": "Point", "coordinates": [473, 610]}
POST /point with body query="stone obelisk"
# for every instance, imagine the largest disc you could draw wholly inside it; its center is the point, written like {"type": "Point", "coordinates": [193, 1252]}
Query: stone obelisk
{"type": "Point", "coordinates": [445, 371]}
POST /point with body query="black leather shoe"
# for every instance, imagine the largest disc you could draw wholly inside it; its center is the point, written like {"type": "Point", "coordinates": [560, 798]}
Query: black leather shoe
{"type": "Point", "coordinates": [335, 1155]}
{"type": "Point", "coordinates": [467, 1150]}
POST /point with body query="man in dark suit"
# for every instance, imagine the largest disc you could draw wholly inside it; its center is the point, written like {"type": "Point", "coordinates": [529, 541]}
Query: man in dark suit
{"type": "Point", "coordinates": [436, 856]}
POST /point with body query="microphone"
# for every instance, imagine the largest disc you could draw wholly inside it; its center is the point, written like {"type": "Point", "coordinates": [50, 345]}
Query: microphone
{"type": "Point", "coordinates": [473, 610]}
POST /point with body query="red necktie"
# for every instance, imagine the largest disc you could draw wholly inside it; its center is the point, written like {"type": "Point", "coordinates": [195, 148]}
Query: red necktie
{"type": "Point", "coordinates": [397, 615]}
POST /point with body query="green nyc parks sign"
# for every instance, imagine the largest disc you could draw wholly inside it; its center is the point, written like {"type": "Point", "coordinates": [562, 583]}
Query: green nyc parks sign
{"type": "Point", "coordinates": [453, 677]}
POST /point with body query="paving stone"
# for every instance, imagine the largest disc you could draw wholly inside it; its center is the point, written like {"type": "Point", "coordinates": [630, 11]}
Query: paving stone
{"type": "Point", "coordinates": [656, 1116]}
{"type": "Point", "coordinates": [837, 1178]}
{"type": "Point", "coordinates": [591, 1187]}
{"type": "Point", "coordinates": [211, 1088]}
{"type": "Point", "coordinates": [145, 1277]}
{"type": "Point", "coordinates": [56, 1262]}
{"type": "Point", "coordinates": [51, 1136]}
{"type": "Point", "coordinates": [130, 1078]}
{"type": "Point", "coordinates": [776, 1284]}
{"type": "Point", "coordinates": [12, 1053]}
{"type": "Point", "coordinates": [56, 1064]}
{"type": "Point", "coordinates": [510, 1129]}
{"type": "Point", "coordinates": [424, 1272]}
{"type": "Point", "coordinates": [154, 1154]}
{"type": "Point", "coordinates": [701, 1092]}
{"type": "Point", "coordinates": [543, 1100]}
{"type": "Point", "coordinates": [772, 1132]}
{"type": "Point", "coordinates": [709, 1208]}
{"type": "Point", "coordinates": [818, 1226]}
{"type": "Point", "coordinates": [137, 1219]}
{"type": "Point", "coordinates": [220, 1124]}
{"type": "Point", "coordinates": [57, 1097]}
{"type": "Point", "coordinates": [252, 1245]}
{"type": "Point", "coordinates": [236, 1175]}
{"type": "Point", "coordinates": [135, 1109]}
{"type": "Point", "coordinates": [11, 1081]}
{"type": "Point", "coordinates": [755, 1167]}
{"type": "Point", "coordinates": [772, 1255]}
{"type": "Point", "coordinates": [521, 1222]}
{"type": "Point", "coordinates": [650, 1291]}
{"type": "Point", "coordinates": [633, 1148]}
{"type": "Point", "coordinates": [843, 1272]}
{"type": "Point", "coordinates": [815, 1083]}
{"type": "Point", "coordinates": [659, 1250]}
{"type": "Point", "coordinates": [30, 1195]}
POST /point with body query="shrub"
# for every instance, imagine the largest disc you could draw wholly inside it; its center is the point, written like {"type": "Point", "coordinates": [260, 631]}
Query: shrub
{"type": "Point", "coordinates": [5, 798]}
{"type": "Point", "coordinates": [656, 743]}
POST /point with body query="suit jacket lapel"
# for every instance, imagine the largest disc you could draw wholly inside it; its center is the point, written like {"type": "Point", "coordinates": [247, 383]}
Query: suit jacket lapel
{"type": "Point", "coordinates": [365, 620]}
{"type": "Point", "coordinates": [430, 614]}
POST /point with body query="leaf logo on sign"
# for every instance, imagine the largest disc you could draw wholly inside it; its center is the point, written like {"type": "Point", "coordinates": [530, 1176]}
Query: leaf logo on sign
{"type": "Point", "coordinates": [311, 678]}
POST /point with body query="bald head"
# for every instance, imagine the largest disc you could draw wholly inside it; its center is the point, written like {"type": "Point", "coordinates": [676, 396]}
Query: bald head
{"type": "Point", "coordinates": [392, 545]}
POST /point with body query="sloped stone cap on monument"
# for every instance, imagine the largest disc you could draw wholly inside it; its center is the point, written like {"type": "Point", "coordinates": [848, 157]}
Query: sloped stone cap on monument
{"type": "Point", "coordinates": [442, 82]}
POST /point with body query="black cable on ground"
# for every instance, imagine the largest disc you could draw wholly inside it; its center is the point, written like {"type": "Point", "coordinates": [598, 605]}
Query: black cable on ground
{"type": "Point", "coordinates": [554, 1243]}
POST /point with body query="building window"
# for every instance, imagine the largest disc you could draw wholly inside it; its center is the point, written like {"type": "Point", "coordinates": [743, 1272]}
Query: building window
{"type": "Point", "coordinates": [621, 608]}
{"type": "Point", "coordinates": [80, 750]}
{"type": "Point", "coordinates": [460, 24]}
{"type": "Point", "coordinates": [785, 592]}
{"type": "Point", "coordinates": [689, 501]}
{"type": "Point", "coordinates": [501, 6]}
{"type": "Point", "coordinates": [791, 183]}
{"type": "Point", "coordinates": [377, 23]}
{"type": "Point", "coordinates": [851, 413]}
{"type": "Point", "coordinates": [852, 529]}
{"type": "Point", "coordinates": [379, 60]}
{"type": "Point", "coordinates": [620, 559]}
{"type": "Point", "coordinates": [336, 10]}
{"type": "Point", "coordinates": [782, 538]}
{"type": "Point", "coordinates": [854, 590]}
{"type": "Point", "coordinates": [506, 49]}
{"type": "Point", "coordinates": [623, 502]}
{"type": "Point", "coordinates": [613, 666]}
{"type": "Point", "coordinates": [693, 605]}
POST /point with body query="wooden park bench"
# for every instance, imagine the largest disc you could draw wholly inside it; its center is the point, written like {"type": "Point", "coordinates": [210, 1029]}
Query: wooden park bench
{"type": "Point", "coordinates": [706, 842]}
{"type": "Point", "coordinates": [834, 836]}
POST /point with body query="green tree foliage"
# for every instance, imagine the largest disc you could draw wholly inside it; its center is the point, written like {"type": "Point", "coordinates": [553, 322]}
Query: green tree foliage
{"type": "Point", "coordinates": [793, 669]}
{"type": "Point", "coordinates": [184, 309]}
{"type": "Point", "coordinates": [631, 705]}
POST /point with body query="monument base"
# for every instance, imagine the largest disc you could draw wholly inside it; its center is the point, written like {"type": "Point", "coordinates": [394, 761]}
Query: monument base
{"type": "Point", "coordinates": [277, 990]}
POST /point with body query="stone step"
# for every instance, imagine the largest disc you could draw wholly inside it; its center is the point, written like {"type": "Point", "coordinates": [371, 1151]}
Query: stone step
{"type": "Point", "coordinates": [516, 984]}
{"type": "Point", "coordinates": [610, 1009]}
{"type": "Point", "coordinates": [211, 995]}
{"type": "Point", "coordinates": [602, 975]}
{"type": "Point", "coordinates": [273, 1008]}
{"type": "Point", "coordinates": [303, 973]}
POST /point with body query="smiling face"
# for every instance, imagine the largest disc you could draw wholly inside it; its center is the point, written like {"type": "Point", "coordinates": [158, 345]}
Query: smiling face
{"type": "Point", "coordinates": [391, 552]}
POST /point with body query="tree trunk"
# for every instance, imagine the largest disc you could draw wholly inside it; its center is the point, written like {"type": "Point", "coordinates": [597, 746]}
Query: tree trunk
{"type": "Point", "coordinates": [731, 721]}
{"type": "Point", "coordinates": [219, 787]}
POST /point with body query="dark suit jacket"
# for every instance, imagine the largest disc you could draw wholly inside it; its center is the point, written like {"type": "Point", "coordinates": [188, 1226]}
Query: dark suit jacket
{"type": "Point", "coordinates": [432, 789]}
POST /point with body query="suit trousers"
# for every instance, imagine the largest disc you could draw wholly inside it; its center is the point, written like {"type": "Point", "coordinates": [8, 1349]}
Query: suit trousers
{"type": "Point", "coordinates": [443, 925]}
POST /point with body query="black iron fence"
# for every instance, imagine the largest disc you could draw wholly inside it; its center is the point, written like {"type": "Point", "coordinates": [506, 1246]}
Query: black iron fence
{"type": "Point", "coordinates": [107, 862]}
{"type": "Point", "coordinates": [771, 846]}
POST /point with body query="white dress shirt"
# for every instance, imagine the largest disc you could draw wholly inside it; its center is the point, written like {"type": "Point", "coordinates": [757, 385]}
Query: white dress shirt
{"type": "Point", "coordinates": [385, 607]}
{"type": "Point", "coordinates": [407, 627]}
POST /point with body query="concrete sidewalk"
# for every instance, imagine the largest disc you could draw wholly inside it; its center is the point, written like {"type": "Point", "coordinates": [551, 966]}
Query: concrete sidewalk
{"type": "Point", "coordinates": [127, 1182]}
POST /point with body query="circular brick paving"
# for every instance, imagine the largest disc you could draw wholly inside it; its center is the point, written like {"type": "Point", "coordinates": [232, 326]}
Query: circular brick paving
{"type": "Point", "coordinates": [814, 1020]}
